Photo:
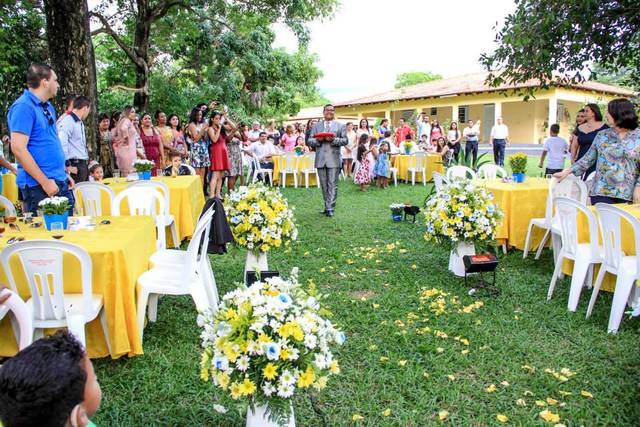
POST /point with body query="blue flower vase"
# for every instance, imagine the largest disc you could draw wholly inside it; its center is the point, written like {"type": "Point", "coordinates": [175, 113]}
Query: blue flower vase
{"type": "Point", "coordinates": [518, 177]}
{"type": "Point", "coordinates": [407, 151]}
{"type": "Point", "coordinates": [396, 216]}
{"type": "Point", "coordinates": [50, 219]}
{"type": "Point", "coordinates": [144, 176]}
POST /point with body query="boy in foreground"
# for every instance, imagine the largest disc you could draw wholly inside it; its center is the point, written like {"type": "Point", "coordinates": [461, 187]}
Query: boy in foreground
{"type": "Point", "coordinates": [557, 148]}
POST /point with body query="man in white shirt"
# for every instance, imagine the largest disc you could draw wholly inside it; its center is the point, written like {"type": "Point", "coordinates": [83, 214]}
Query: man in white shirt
{"type": "Point", "coordinates": [423, 126]}
{"type": "Point", "coordinates": [72, 137]}
{"type": "Point", "coordinates": [499, 139]}
{"type": "Point", "coordinates": [263, 151]}
{"type": "Point", "coordinates": [471, 134]}
{"type": "Point", "coordinates": [254, 133]}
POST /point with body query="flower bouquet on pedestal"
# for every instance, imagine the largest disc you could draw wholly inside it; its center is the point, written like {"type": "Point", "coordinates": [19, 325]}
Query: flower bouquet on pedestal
{"type": "Point", "coordinates": [143, 167]}
{"type": "Point", "coordinates": [266, 343]}
{"type": "Point", "coordinates": [55, 209]}
{"type": "Point", "coordinates": [464, 215]}
{"type": "Point", "coordinates": [396, 211]}
{"type": "Point", "coordinates": [408, 146]}
{"type": "Point", "coordinates": [260, 220]}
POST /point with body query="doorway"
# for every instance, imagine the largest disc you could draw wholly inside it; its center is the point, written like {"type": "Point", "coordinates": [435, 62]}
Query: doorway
{"type": "Point", "coordinates": [488, 120]}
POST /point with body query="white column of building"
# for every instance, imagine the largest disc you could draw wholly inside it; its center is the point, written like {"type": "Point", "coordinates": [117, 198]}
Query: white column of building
{"type": "Point", "coordinates": [497, 108]}
{"type": "Point", "coordinates": [455, 113]}
{"type": "Point", "coordinates": [553, 111]}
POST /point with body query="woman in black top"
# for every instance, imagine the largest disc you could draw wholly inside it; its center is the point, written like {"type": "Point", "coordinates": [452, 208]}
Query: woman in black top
{"type": "Point", "coordinates": [587, 132]}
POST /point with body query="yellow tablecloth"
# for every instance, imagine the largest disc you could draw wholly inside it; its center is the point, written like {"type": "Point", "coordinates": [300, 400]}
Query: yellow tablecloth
{"type": "Point", "coordinates": [120, 254]}
{"type": "Point", "coordinates": [628, 244]}
{"type": "Point", "coordinates": [186, 199]}
{"type": "Point", "coordinates": [401, 161]}
{"type": "Point", "coordinates": [519, 202]}
{"type": "Point", "coordinates": [9, 187]}
{"type": "Point", "coordinates": [303, 162]}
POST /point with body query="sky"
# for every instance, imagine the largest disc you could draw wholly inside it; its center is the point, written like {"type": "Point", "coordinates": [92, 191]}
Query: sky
{"type": "Point", "coordinates": [368, 43]}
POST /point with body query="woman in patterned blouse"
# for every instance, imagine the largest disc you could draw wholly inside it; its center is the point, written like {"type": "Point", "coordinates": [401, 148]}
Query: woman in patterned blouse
{"type": "Point", "coordinates": [616, 154]}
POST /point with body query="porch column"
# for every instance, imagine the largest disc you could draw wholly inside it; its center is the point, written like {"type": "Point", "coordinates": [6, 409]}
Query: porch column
{"type": "Point", "coordinates": [553, 111]}
{"type": "Point", "coordinates": [497, 108]}
{"type": "Point", "coordinates": [455, 113]}
{"type": "Point", "coordinates": [387, 115]}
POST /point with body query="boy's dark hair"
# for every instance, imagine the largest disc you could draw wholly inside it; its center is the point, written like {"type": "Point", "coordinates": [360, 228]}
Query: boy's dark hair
{"type": "Point", "coordinates": [81, 102]}
{"type": "Point", "coordinates": [43, 383]}
{"type": "Point", "coordinates": [555, 128]}
{"type": "Point", "coordinates": [174, 155]}
{"type": "Point", "coordinates": [94, 167]}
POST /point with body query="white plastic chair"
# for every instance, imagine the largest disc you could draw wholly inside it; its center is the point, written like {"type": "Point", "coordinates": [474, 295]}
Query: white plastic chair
{"type": "Point", "coordinates": [589, 182]}
{"type": "Point", "coordinates": [91, 195]}
{"type": "Point", "coordinates": [289, 165]}
{"type": "Point", "coordinates": [263, 172]}
{"type": "Point", "coordinates": [439, 181]}
{"type": "Point", "coordinates": [21, 320]}
{"type": "Point", "coordinates": [394, 174]}
{"type": "Point", "coordinates": [583, 255]}
{"type": "Point", "coordinates": [169, 220]}
{"type": "Point", "coordinates": [144, 201]}
{"type": "Point", "coordinates": [570, 187]}
{"type": "Point", "coordinates": [9, 208]}
{"type": "Point", "coordinates": [179, 274]}
{"type": "Point", "coordinates": [311, 161]}
{"type": "Point", "coordinates": [417, 164]}
{"type": "Point", "coordinates": [50, 306]}
{"type": "Point", "coordinates": [615, 261]}
{"type": "Point", "coordinates": [490, 171]}
{"type": "Point", "coordinates": [460, 172]}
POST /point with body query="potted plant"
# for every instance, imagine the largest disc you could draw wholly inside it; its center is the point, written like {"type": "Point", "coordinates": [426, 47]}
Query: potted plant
{"type": "Point", "coordinates": [408, 146]}
{"type": "Point", "coordinates": [396, 211]}
{"type": "Point", "coordinates": [260, 220]}
{"type": "Point", "coordinates": [518, 164]}
{"type": "Point", "coordinates": [55, 209]}
{"type": "Point", "coordinates": [265, 344]}
{"type": "Point", "coordinates": [463, 215]}
{"type": "Point", "coordinates": [143, 168]}
{"type": "Point", "coordinates": [299, 150]}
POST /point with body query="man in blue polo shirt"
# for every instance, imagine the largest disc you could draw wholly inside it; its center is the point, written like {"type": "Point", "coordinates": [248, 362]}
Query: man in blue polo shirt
{"type": "Point", "coordinates": [35, 142]}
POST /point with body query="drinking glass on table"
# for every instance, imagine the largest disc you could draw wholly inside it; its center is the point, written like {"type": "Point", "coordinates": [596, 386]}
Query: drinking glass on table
{"type": "Point", "coordinates": [116, 174]}
{"type": "Point", "coordinates": [56, 230]}
{"type": "Point", "coordinates": [28, 217]}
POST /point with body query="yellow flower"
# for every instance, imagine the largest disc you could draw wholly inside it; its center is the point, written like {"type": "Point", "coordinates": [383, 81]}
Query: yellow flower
{"type": "Point", "coordinates": [334, 367]}
{"type": "Point", "coordinates": [443, 415]}
{"type": "Point", "coordinates": [386, 412]}
{"type": "Point", "coordinates": [320, 383]}
{"type": "Point", "coordinates": [586, 394]}
{"type": "Point", "coordinates": [204, 374]}
{"type": "Point", "coordinates": [502, 418]}
{"type": "Point", "coordinates": [263, 339]}
{"type": "Point", "coordinates": [549, 416]}
{"type": "Point", "coordinates": [270, 371]}
{"type": "Point", "coordinates": [541, 403]}
{"type": "Point", "coordinates": [402, 362]}
{"type": "Point", "coordinates": [284, 353]}
{"type": "Point", "coordinates": [491, 388]}
{"type": "Point", "coordinates": [223, 380]}
{"type": "Point", "coordinates": [357, 417]}
{"type": "Point", "coordinates": [236, 393]}
{"type": "Point", "coordinates": [306, 378]}
{"type": "Point", "coordinates": [231, 314]}
{"type": "Point", "coordinates": [247, 387]}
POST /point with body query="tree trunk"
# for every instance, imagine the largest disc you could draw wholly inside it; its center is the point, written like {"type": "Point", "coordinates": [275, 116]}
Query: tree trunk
{"type": "Point", "coordinates": [72, 58]}
{"type": "Point", "coordinates": [141, 43]}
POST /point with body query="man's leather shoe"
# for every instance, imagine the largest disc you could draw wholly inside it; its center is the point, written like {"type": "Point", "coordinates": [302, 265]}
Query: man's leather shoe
{"type": "Point", "coordinates": [324, 212]}
{"type": "Point", "coordinates": [329, 213]}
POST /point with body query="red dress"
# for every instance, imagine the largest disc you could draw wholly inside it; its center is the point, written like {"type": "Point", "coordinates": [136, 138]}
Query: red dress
{"type": "Point", "coordinates": [152, 149]}
{"type": "Point", "coordinates": [219, 155]}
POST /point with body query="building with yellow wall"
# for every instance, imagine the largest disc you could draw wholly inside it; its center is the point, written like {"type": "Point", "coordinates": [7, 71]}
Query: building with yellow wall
{"type": "Point", "coordinates": [467, 97]}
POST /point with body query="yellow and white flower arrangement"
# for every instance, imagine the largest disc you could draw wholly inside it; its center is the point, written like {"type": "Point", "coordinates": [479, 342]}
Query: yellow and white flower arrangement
{"type": "Point", "coordinates": [462, 211]}
{"type": "Point", "coordinates": [266, 342]}
{"type": "Point", "coordinates": [260, 218]}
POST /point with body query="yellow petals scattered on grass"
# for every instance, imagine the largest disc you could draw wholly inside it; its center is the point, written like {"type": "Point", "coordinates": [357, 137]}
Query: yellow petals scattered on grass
{"type": "Point", "coordinates": [541, 403]}
{"type": "Point", "coordinates": [551, 401]}
{"type": "Point", "coordinates": [464, 341]}
{"type": "Point", "coordinates": [440, 350]}
{"type": "Point", "coordinates": [465, 351]}
{"type": "Point", "coordinates": [376, 306]}
{"type": "Point", "coordinates": [504, 383]}
{"type": "Point", "coordinates": [502, 418]}
{"type": "Point", "coordinates": [564, 393]}
{"type": "Point", "coordinates": [413, 267]}
{"type": "Point", "coordinates": [559, 425]}
{"type": "Point", "coordinates": [384, 359]}
{"type": "Point", "coordinates": [549, 417]}
{"type": "Point", "coordinates": [521, 402]}
{"type": "Point", "coordinates": [373, 347]}
{"type": "Point", "coordinates": [425, 374]}
{"type": "Point", "coordinates": [491, 388]}
{"type": "Point", "coordinates": [386, 412]}
{"type": "Point", "coordinates": [451, 377]}
{"type": "Point", "coordinates": [443, 415]}
{"type": "Point", "coordinates": [350, 261]}
{"type": "Point", "coordinates": [528, 368]}
{"type": "Point", "coordinates": [402, 362]}
{"type": "Point", "coordinates": [528, 393]}
{"type": "Point", "coordinates": [306, 253]}
{"type": "Point", "coordinates": [357, 417]}
{"type": "Point", "coordinates": [586, 394]}
{"type": "Point", "coordinates": [322, 270]}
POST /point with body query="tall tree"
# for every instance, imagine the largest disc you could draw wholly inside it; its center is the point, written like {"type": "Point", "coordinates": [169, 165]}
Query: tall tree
{"type": "Point", "coordinates": [566, 36]}
{"type": "Point", "coordinates": [415, 77]}
{"type": "Point", "coordinates": [72, 57]}
{"type": "Point", "coordinates": [143, 17]}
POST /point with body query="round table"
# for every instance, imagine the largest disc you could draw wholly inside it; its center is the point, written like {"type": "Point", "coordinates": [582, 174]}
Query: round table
{"type": "Point", "coordinates": [119, 253]}
{"type": "Point", "coordinates": [401, 161]}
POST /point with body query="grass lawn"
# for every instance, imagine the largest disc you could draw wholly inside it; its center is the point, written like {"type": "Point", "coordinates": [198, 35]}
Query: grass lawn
{"type": "Point", "coordinates": [399, 355]}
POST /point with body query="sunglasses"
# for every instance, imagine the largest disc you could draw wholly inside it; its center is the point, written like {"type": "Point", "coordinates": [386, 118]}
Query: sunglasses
{"type": "Point", "coordinates": [47, 113]}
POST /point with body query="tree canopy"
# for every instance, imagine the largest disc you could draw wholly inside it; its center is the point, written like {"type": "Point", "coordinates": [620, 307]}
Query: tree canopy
{"type": "Point", "coordinates": [414, 77]}
{"type": "Point", "coordinates": [569, 36]}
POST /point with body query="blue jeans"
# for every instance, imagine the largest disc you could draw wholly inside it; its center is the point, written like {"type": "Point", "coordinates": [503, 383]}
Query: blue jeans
{"type": "Point", "coordinates": [498, 151]}
{"type": "Point", "coordinates": [34, 195]}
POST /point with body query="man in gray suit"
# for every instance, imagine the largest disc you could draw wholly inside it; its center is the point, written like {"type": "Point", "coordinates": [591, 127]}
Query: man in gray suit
{"type": "Point", "coordinates": [328, 160]}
